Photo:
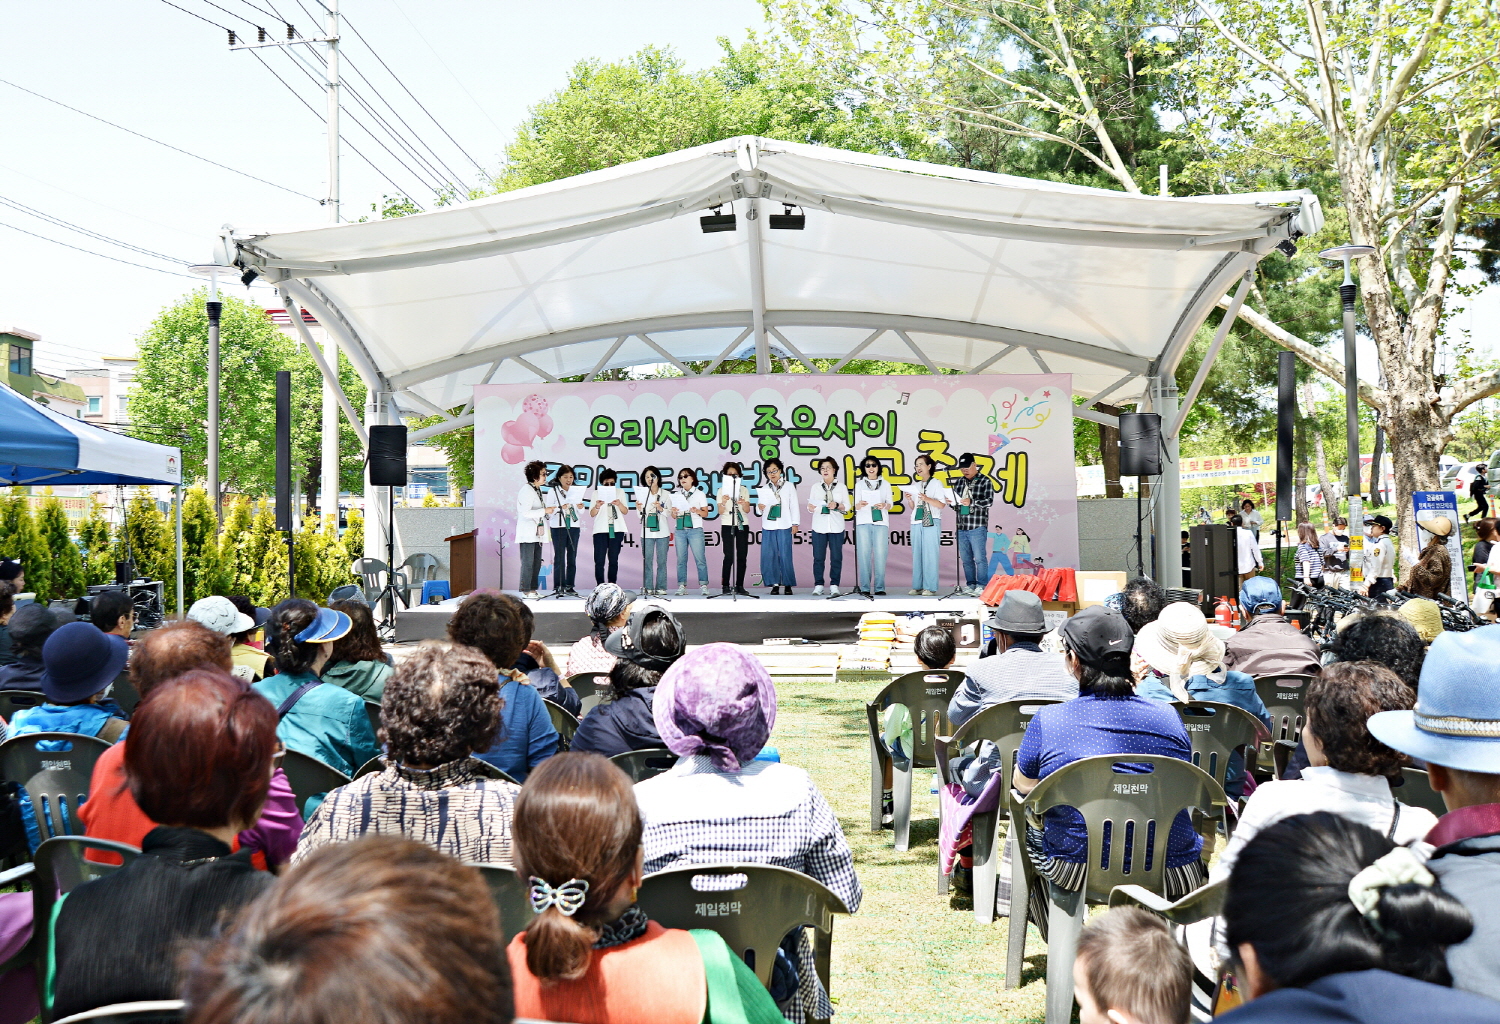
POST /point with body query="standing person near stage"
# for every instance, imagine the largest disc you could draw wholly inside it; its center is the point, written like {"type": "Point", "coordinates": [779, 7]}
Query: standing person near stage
{"type": "Point", "coordinates": [973, 494]}
{"type": "Point", "coordinates": [928, 497]}
{"type": "Point", "coordinates": [734, 528]}
{"type": "Point", "coordinates": [1252, 518]}
{"type": "Point", "coordinates": [1380, 556]}
{"type": "Point", "coordinates": [1251, 561]}
{"type": "Point", "coordinates": [565, 503]}
{"type": "Point", "coordinates": [609, 511]}
{"type": "Point", "coordinates": [827, 503]}
{"type": "Point", "coordinates": [531, 527]}
{"type": "Point", "coordinates": [873, 498]}
{"type": "Point", "coordinates": [778, 507]}
{"type": "Point", "coordinates": [1335, 547]}
{"type": "Point", "coordinates": [655, 506]}
{"type": "Point", "coordinates": [689, 505]}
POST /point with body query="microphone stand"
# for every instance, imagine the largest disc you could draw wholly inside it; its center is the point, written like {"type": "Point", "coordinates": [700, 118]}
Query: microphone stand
{"type": "Point", "coordinates": [734, 526]}
{"type": "Point", "coordinates": [572, 550]}
{"type": "Point", "coordinates": [868, 595]}
{"type": "Point", "coordinates": [958, 549]}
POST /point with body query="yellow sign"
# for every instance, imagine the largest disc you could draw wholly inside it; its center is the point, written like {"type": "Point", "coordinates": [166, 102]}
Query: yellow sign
{"type": "Point", "coordinates": [1243, 468]}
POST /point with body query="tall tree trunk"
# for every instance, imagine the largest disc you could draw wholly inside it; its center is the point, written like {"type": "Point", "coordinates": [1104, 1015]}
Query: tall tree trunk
{"type": "Point", "coordinates": [1109, 450]}
{"type": "Point", "coordinates": [1377, 477]}
{"type": "Point", "coordinates": [1299, 484]}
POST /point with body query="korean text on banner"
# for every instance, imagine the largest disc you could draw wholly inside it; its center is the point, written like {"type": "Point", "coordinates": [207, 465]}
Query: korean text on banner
{"type": "Point", "coordinates": [1245, 468]}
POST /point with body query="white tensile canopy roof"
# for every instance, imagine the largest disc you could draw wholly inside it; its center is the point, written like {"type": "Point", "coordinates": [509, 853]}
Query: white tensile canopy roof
{"type": "Point", "coordinates": [899, 260]}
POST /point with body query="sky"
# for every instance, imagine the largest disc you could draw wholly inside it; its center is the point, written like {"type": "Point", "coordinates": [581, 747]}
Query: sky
{"type": "Point", "coordinates": [149, 67]}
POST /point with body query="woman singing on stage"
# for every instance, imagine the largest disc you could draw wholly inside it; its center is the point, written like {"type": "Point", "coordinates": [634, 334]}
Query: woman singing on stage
{"type": "Point", "coordinates": [531, 526]}
{"type": "Point", "coordinates": [827, 504]}
{"type": "Point", "coordinates": [655, 506]}
{"type": "Point", "coordinates": [778, 507]}
{"type": "Point", "coordinates": [872, 525]}
{"type": "Point", "coordinates": [609, 527]}
{"type": "Point", "coordinates": [734, 526]}
{"type": "Point", "coordinates": [928, 498]}
{"type": "Point", "coordinates": [689, 506]}
{"type": "Point", "coordinates": [564, 503]}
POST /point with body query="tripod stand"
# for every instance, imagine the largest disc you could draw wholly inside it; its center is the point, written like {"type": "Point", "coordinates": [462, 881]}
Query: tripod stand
{"type": "Point", "coordinates": [390, 593]}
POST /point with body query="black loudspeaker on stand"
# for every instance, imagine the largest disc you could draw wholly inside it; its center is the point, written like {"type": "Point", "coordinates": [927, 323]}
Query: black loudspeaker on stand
{"type": "Point", "coordinates": [284, 473]}
{"type": "Point", "coordinates": [1140, 456]}
{"type": "Point", "coordinates": [388, 469]}
{"type": "Point", "coordinates": [1215, 561]}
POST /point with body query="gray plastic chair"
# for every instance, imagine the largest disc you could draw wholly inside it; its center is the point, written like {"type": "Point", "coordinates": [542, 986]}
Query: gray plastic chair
{"type": "Point", "coordinates": [369, 571]}
{"type": "Point", "coordinates": [56, 782]}
{"type": "Point", "coordinates": [1285, 698]}
{"type": "Point", "coordinates": [310, 777]}
{"type": "Point", "coordinates": [423, 567]}
{"type": "Point", "coordinates": [590, 687]}
{"type": "Point", "coordinates": [1216, 730]}
{"type": "Point", "coordinates": [641, 765]}
{"type": "Point", "coordinates": [926, 695]}
{"type": "Point", "coordinates": [12, 701]}
{"type": "Point", "coordinates": [512, 896]}
{"type": "Point", "coordinates": [564, 722]}
{"type": "Point", "coordinates": [751, 906]}
{"type": "Point", "coordinates": [1137, 810]}
{"type": "Point", "coordinates": [372, 712]}
{"type": "Point", "coordinates": [1416, 791]}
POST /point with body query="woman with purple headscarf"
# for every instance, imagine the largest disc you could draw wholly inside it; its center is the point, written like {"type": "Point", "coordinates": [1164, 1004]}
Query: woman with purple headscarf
{"type": "Point", "coordinates": [715, 709]}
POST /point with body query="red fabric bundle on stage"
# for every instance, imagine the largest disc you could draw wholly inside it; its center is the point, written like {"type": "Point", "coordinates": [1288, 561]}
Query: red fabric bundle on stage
{"type": "Point", "coordinates": [1048, 584]}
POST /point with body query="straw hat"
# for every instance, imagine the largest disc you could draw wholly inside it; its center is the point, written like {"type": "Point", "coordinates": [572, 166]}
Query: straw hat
{"type": "Point", "coordinates": [1438, 526]}
{"type": "Point", "coordinates": [1425, 617]}
{"type": "Point", "coordinates": [1179, 643]}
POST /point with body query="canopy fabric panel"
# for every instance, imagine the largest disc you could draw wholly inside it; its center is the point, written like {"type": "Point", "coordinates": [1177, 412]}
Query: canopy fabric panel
{"type": "Point", "coordinates": [899, 260]}
{"type": "Point", "coordinates": [39, 446]}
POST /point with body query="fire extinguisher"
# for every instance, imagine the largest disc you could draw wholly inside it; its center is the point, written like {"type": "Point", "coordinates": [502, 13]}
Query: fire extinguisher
{"type": "Point", "coordinates": [1224, 613]}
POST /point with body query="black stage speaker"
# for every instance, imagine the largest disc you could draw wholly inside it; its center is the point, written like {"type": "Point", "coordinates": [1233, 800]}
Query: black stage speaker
{"type": "Point", "coordinates": [388, 456]}
{"type": "Point", "coordinates": [1286, 423]}
{"type": "Point", "coordinates": [1140, 444]}
{"type": "Point", "coordinates": [283, 449]}
{"type": "Point", "coordinates": [1215, 569]}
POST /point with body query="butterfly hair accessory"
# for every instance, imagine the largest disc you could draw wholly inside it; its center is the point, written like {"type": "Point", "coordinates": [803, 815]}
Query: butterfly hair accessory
{"type": "Point", "coordinates": [567, 897]}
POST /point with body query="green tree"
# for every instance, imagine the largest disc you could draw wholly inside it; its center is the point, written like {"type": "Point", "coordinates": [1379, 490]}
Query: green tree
{"type": "Point", "coordinates": [354, 537]}
{"type": "Point", "coordinates": [267, 553]}
{"type": "Point", "coordinates": [21, 540]}
{"type": "Point", "coordinates": [203, 570]}
{"type": "Point", "coordinates": [66, 562]}
{"type": "Point", "coordinates": [148, 540]}
{"type": "Point", "coordinates": [234, 547]}
{"type": "Point", "coordinates": [99, 554]}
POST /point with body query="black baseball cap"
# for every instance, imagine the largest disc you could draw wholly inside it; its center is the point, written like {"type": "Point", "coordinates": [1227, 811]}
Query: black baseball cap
{"type": "Point", "coordinates": [1101, 638]}
{"type": "Point", "coordinates": [1384, 521]}
{"type": "Point", "coordinates": [9, 569]}
{"type": "Point", "coordinates": [626, 643]}
{"type": "Point", "coordinates": [966, 460]}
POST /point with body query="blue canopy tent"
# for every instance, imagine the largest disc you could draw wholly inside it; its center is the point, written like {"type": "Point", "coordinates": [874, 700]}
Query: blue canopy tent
{"type": "Point", "coordinates": [45, 448]}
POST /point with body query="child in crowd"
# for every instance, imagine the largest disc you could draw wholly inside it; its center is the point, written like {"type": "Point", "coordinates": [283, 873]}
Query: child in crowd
{"type": "Point", "coordinates": [1130, 970]}
{"type": "Point", "coordinates": [934, 648]}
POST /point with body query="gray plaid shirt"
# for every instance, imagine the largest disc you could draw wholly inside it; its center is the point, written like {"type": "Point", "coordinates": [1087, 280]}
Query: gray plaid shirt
{"type": "Point", "coordinates": [980, 493]}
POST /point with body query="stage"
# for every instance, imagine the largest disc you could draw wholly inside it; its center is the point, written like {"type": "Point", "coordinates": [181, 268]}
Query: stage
{"type": "Point", "coordinates": [746, 621]}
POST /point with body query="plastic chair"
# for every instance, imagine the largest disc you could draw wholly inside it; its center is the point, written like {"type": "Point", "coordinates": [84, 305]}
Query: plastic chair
{"type": "Point", "coordinates": [641, 765]}
{"type": "Point", "coordinates": [56, 781]}
{"type": "Point", "coordinates": [512, 896]}
{"type": "Point", "coordinates": [12, 701]}
{"type": "Point", "coordinates": [150, 1010]}
{"type": "Point", "coordinates": [1285, 698]}
{"type": "Point", "coordinates": [1137, 811]}
{"type": "Point", "coordinates": [374, 764]}
{"type": "Point", "coordinates": [423, 567]}
{"type": "Point", "coordinates": [1216, 730]}
{"type": "Point", "coordinates": [435, 589]}
{"type": "Point", "coordinates": [369, 570]}
{"type": "Point", "coordinates": [310, 777]}
{"type": "Point", "coordinates": [564, 722]}
{"type": "Point", "coordinates": [1416, 791]}
{"type": "Point", "coordinates": [1281, 756]}
{"type": "Point", "coordinates": [372, 712]}
{"type": "Point", "coordinates": [925, 695]}
{"type": "Point", "coordinates": [1201, 904]}
{"type": "Point", "coordinates": [751, 906]}
{"type": "Point", "coordinates": [124, 693]}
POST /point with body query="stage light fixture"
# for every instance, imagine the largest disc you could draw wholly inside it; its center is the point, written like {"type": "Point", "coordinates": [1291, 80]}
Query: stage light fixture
{"type": "Point", "coordinates": [1287, 248]}
{"type": "Point", "coordinates": [786, 220]}
{"type": "Point", "coordinates": [714, 222]}
{"type": "Point", "coordinates": [248, 276]}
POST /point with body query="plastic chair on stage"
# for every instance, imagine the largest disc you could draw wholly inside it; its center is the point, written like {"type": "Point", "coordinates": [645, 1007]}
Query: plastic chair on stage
{"type": "Point", "coordinates": [1217, 730]}
{"type": "Point", "coordinates": [56, 781]}
{"type": "Point", "coordinates": [1285, 698]}
{"type": "Point", "coordinates": [925, 695]}
{"type": "Point", "coordinates": [423, 567]}
{"type": "Point", "coordinates": [590, 687]}
{"type": "Point", "coordinates": [1136, 810]}
{"type": "Point", "coordinates": [564, 722]}
{"type": "Point", "coordinates": [369, 571]}
{"type": "Point", "coordinates": [641, 765]}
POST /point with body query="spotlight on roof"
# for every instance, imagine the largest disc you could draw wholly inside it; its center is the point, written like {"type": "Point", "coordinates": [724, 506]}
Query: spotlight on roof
{"type": "Point", "coordinates": [249, 276]}
{"type": "Point", "coordinates": [716, 221]}
{"type": "Point", "coordinates": [1287, 248]}
{"type": "Point", "coordinates": [786, 220]}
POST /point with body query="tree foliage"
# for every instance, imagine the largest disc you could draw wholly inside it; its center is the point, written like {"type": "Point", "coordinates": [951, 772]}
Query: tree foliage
{"type": "Point", "coordinates": [65, 562]}
{"type": "Point", "coordinates": [94, 535]}
{"type": "Point", "coordinates": [21, 540]}
{"type": "Point", "coordinates": [203, 570]}
{"type": "Point", "coordinates": [149, 542]}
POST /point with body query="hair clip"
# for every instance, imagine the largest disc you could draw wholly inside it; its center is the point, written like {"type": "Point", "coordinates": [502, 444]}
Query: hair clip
{"type": "Point", "coordinates": [567, 897]}
{"type": "Point", "coordinates": [1399, 867]}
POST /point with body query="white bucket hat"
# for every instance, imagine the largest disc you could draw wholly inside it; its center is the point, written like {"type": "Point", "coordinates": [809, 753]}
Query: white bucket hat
{"type": "Point", "coordinates": [1179, 643]}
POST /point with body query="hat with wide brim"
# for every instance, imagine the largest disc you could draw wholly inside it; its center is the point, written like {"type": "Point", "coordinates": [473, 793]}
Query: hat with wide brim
{"type": "Point", "coordinates": [1456, 722]}
{"type": "Point", "coordinates": [220, 615]}
{"type": "Point", "coordinates": [79, 661]}
{"type": "Point", "coordinates": [1020, 611]}
{"type": "Point", "coordinates": [1438, 526]}
{"type": "Point", "coordinates": [1179, 642]}
{"type": "Point", "coordinates": [328, 626]}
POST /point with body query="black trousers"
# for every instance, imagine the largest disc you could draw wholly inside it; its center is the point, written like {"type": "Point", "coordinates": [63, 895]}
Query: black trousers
{"type": "Point", "coordinates": [736, 542]}
{"type": "Point", "coordinates": [1481, 506]}
{"type": "Point", "coordinates": [607, 547]}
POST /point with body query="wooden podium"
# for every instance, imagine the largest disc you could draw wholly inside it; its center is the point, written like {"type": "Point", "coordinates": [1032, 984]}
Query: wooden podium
{"type": "Point", "coordinates": [461, 565]}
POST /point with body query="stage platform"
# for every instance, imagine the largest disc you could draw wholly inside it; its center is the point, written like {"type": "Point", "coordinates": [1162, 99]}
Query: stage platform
{"type": "Point", "coordinates": [746, 621]}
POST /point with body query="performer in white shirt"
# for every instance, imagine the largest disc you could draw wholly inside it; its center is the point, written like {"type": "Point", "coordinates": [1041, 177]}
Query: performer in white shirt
{"type": "Point", "coordinates": [734, 526]}
{"type": "Point", "coordinates": [689, 505]}
{"type": "Point", "coordinates": [655, 505]}
{"type": "Point", "coordinates": [828, 502]}
{"type": "Point", "coordinates": [565, 504]}
{"type": "Point", "coordinates": [927, 497]}
{"type": "Point", "coordinates": [873, 499]}
{"type": "Point", "coordinates": [531, 526]}
{"type": "Point", "coordinates": [782, 520]}
{"type": "Point", "coordinates": [609, 511]}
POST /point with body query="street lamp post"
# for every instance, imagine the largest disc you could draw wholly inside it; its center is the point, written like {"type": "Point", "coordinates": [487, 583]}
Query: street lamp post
{"type": "Point", "coordinates": [214, 308]}
{"type": "Point", "coordinates": [1347, 292]}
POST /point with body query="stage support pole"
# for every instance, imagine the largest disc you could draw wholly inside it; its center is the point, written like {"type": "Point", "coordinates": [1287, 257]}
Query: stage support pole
{"type": "Point", "coordinates": [758, 287]}
{"type": "Point", "coordinates": [214, 308]}
{"type": "Point", "coordinates": [1167, 492]}
{"type": "Point", "coordinates": [177, 496]}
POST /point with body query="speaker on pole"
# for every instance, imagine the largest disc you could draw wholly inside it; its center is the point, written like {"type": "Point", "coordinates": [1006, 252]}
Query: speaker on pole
{"type": "Point", "coordinates": [388, 456]}
{"type": "Point", "coordinates": [1140, 444]}
{"type": "Point", "coordinates": [283, 449]}
{"type": "Point", "coordinates": [1286, 423]}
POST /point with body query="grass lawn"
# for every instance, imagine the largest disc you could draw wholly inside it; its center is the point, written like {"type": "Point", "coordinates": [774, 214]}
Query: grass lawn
{"type": "Point", "coordinates": [911, 953]}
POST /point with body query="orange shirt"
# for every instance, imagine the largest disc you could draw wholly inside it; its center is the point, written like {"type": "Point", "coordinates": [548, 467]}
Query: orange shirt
{"type": "Point", "coordinates": [655, 979]}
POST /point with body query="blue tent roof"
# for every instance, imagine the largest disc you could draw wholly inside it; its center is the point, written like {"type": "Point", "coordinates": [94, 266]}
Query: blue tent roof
{"type": "Point", "coordinates": [39, 446]}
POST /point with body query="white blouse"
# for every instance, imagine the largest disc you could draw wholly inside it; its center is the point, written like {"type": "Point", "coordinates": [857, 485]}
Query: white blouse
{"type": "Point", "coordinates": [783, 498]}
{"type": "Point", "coordinates": [661, 505]}
{"type": "Point", "coordinates": [684, 500]}
{"type": "Point", "coordinates": [608, 514]}
{"type": "Point", "coordinates": [934, 489]}
{"type": "Point", "coordinates": [737, 488]}
{"type": "Point", "coordinates": [557, 497]}
{"type": "Point", "coordinates": [531, 511]}
{"type": "Point", "coordinates": [833, 497]}
{"type": "Point", "coordinates": [880, 494]}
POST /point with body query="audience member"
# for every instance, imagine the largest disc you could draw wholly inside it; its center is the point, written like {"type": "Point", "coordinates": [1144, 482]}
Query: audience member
{"type": "Point", "coordinates": [536, 664]}
{"type": "Point", "coordinates": [1309, 558]}
{"type": "Point", "coordinates": [1350, 770]}
{"type": "Point", "coordinates": [650, 643]}
{"type": "Point", "coordinates": [116, 939]}
{"type": "Point", "coordinates": [1453, 730]}
{"type": "Point", "coordinates": [1106, 718]}
{"type": "Point", "coordinates": [222, 615]}
{"type": "Point", "coordinates": [1424, 615]}
{"type": "Point", "coordinates": [112, 813]}
{"type": "Point", "coordinates": [357, 662]}
{"type": "Point", "coordinates": [1334, 545]}
{"type": "Point", "coordinates": [114, 612]}
{"type": "Point", "coordinates": [12, 575]}
{"type": "Point", "coordinates": [1020, 669]}
{"type": "Point", "coordinates": [934, 648]}
{"type": "Point", "coordinates": [715, 709]}
{"type": "Point", "coordinates": [1131, 970]}
{"type": "Point", "coordinates": [1269, 645]}
{"type": "Point", "coordinates": [7, 609]}
{"type": "Point", "coordinates": [441, 707]}
{"type": "Point", "coordinates": [29, 627]}
{"type": "Point", "coordinates": [325, 722]}
{"type": "Point", "coordinates": [378, 931]}
{"type": "Point", "coordinates": [491, 623]}
{"type": "Point", "coordinates": [590, 954]}
{"type": "Point", "coordinates": [246, 650]}
{"type": "Point", "coordinates": [1141, 602]}
{"type": "Point", "coordinates": [607, 607]}
{"type": "Point", "coordinates": [1384, 638]}
{"type": "Point", "coordinates": [1329, 921]}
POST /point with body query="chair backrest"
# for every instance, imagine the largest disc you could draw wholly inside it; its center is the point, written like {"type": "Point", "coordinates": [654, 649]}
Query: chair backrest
{"type": "Point", "coordinates": [589, 684]}
{"type": "Point", "coordinates": [422, 565]}
{"type": "Point", "coordinates": [372, 712]}
{"type": "Point", "coordinates": [751, 906]}
{"type": "Point", "coordinates": [370, 767]}
{"type": "Point", "coordinates": [1285, 698]}
{"type": "Point", "coordinates": [926, 695]}
{"type": "Point", "coordinates": [512, 896]}
{"type": "Point", "coordinates": [481, 767]}
{"type": "Point", "coordinates": [310, 777]}
{"type": "Point", "coordinates": [56, 780]}
{"type": "Point", "coordinates": [124, 693]}
{"type": "Point", "coordinates": [12, 701]}
{"type": "Point", "coordinates": [1416, 791]}
{"type": "Point", "coordinates": [369, 570]}
{"type": "Point", "coordinates": [1002, 724]}
{"type": "Point", "coordinates": [1215, 730]}
{"type": "Point", "coordinates": [61, 867]}
{"type": "Point", "coordinates": [641, 765]}
{"type": "Point", "coordinates": [148, 1011]}
{"type": "Point", "coordinates": [1201, 904]}
{"type": "Point", "coordinates": [1128, 814]}
{"type": "Point", "coordinates": [564, 722]}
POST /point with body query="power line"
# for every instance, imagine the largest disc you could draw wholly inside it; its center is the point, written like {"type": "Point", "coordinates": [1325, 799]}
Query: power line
{"type": "Point", "coordinates": [59, 222]}
{"type": "Point", "coordinates": [91, 252]}
{"type": "Point", "coordinates": [104, 206]}
{"type": "Point", "coordinates": [446, 168]}
{"type": "Point", "coordinates": [446, 68]}
{"type": "Point", "coordinates": [195, 14]}
{"type": "Point", "coordinates": [168, 145]}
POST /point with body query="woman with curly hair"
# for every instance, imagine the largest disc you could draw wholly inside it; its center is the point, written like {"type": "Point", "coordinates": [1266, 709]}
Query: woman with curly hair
{"type": "Point", "coordinates": [441, 707]}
